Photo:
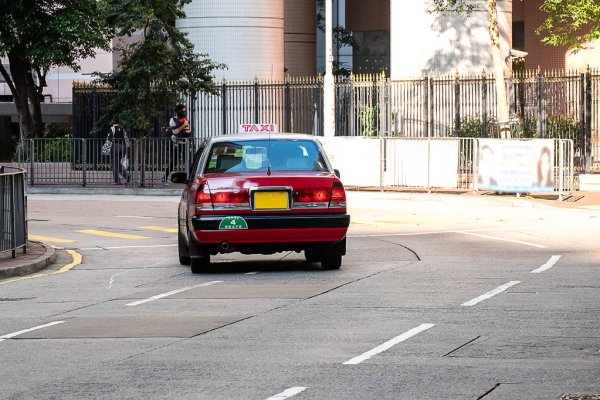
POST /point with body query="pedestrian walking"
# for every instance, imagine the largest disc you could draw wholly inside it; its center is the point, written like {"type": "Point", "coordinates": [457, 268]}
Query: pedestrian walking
{"type": "Point", "coordinates": [119, 160]}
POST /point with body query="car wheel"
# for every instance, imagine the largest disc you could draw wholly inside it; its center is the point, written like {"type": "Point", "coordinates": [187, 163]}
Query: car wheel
{"type": "Point", "coordinates": [312, 256]}
{"type": "Point", "coordinates": [200, 264]}
{"type": "Point", "coordinates": [184, 251]}
{"type": "Point", "coordinates": [331, 261]}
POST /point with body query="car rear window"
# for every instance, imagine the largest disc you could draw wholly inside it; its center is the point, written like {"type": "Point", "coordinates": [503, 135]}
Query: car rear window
{"type": "Point", "coordinates": [258, 155]}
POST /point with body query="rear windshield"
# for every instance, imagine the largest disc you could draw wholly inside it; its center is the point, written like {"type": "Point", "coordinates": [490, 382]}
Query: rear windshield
{"type": "Point", "coordinates": [259, 155]}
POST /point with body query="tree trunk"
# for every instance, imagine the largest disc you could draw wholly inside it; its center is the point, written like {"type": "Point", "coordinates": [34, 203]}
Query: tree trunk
{"type": "Point", "coordinates": [35, 96]}
{"type": "Point", "coordinates": [19, 68]}
{"type": "Point", "coordinates": [501, 98]}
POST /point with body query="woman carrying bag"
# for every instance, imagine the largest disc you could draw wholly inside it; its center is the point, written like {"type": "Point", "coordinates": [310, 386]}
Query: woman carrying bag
{"type": "Point", "coordinates": [120, 144]}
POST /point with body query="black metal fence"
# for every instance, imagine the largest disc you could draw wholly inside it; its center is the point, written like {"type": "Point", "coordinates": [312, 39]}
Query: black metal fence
{"type": "Point", "coordinates": [543, 104]}
{"type": "Point", "coordinates": [13, 210]}
{"type": "Point", "coordinates": [147, 162]}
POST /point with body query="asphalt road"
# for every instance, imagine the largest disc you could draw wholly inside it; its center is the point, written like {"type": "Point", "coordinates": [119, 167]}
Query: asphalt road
{"type": "Point", "coordinates": [439, 296]}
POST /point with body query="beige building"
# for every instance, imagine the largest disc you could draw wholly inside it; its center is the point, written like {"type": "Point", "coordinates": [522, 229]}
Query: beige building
{"type": "Point", "coordinates": [261, 39]}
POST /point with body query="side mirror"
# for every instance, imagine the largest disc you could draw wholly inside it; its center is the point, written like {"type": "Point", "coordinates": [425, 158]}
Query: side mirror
{"type": "Point", "coordinates": [337, 173]}
{"type": "Point", "coordinates": [179, 177]}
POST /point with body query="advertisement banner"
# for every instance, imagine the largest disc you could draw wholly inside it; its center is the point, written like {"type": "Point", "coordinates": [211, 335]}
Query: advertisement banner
{"type": "Point", "coordinates": [516, 166]}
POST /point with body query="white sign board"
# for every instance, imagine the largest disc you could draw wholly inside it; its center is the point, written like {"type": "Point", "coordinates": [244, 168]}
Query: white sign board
{"type": "Point", "coordinates": [516, 166]}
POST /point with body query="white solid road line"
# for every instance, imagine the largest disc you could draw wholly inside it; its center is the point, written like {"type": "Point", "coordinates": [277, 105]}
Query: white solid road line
{"type": "Point", "coordinates": [491, 293]}
{"type": "Point", "coordinates": [388, 344]}
{"type": "Point", "coordinates": [12, 335]}
{"type": "Point", "coordinates": [549, 264]}
{"type": "Point", "coordinates": [128, 247]}
{"type": "Point", "coordinates": [465, 231]}
{"type": "Point", "coordinates": [502, 239]}
{"type": "Point", "coordinates": [171, 293]}
{"type": "Point", "coordinates": [133, 216]}
{"type": "Point", "coordinates": [286, 394]}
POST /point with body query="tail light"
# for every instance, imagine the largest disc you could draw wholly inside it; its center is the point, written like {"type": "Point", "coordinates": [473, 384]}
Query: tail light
{"type": "Point", "coordinates": [312, 195]}
{"type": "Point", "coordinates": [312, 198]}
{"type": "Point", "coordinates": [334, 197]}
{"type": "Point", "coordinates": [338, 196]}
{"type": "Point", "coordinates": [231, 199]}
{"type": "Point", "coordinates": [203, 200]}
{"type": "Point", "coordinates": [206, 200]}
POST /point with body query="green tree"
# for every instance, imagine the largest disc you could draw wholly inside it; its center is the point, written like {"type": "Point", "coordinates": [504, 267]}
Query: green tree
{"type": "Point", "coordinates": [37, 35]}
{"type": "Point", "coordinates": [570, 22]}
{"type": "Point", "coordinates": [156, 70]}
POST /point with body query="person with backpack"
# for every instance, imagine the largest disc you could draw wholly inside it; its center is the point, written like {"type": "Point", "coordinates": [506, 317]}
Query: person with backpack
{"type": "Point", "coordinates": [120, 144]}
{"type": "Point", "coordinates": [179, 128]}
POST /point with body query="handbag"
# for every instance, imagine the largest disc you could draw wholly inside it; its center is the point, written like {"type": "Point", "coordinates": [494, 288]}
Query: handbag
{"type": "Point", "coordinates": [125, 162]}
{"type": "Point", "coordinates": [106, 147]}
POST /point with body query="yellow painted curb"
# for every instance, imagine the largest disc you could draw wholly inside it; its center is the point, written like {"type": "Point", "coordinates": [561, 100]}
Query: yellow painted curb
{"type": "Point", "coordinates": [77, 258]}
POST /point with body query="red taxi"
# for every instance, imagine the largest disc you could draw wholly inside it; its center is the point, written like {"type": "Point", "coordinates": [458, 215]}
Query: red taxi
{"type": "Point", "coordinates": [261, 194]}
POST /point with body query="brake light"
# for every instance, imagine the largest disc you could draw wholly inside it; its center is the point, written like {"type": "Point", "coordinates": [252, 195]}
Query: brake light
{"type": "Point", "coordinates": [203, 196]}
{"type": "Point", "coordinates": [223, 198]}
{"type": "Point", "coordinates": [312, 195]}
{"type": "Point", "coordinates": [202, 200]}
{"type": "Point", "coordinates": [338, 196]}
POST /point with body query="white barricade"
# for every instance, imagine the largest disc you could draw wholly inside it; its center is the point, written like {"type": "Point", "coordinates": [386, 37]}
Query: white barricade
{"type": "Point", "coordinates": [446, 163]}
{"type": "Point", "coordinates": [357, 158]}
{"type": "Point", "coordinates": [421, 162]}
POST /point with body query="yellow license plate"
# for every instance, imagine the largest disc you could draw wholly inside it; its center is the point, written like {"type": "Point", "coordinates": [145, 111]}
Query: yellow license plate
{"type": "Point", "coordinates": [270, 200]}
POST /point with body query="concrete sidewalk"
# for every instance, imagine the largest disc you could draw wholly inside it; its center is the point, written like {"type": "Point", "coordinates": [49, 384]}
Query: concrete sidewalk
{"type": "Point", "coordinates": [37, 257]}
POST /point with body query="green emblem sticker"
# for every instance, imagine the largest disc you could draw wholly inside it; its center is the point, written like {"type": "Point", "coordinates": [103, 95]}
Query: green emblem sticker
{"type": "Point", "coordinates": [228, 223]}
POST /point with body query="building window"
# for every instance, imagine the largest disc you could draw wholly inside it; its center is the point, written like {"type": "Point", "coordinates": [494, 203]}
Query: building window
{"type": "Point", "coordinates": [518, 35]}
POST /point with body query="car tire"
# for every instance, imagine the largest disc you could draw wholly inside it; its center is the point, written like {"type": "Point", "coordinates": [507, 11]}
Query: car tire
{"type": "Point", "coordinates": [201, 264]}
{"type": "Point", "coordinates": [312, 256]}
{"type": "Point", "coordinates": [331, 261]}
{"type": "Point", "coordinates": [184, 251]}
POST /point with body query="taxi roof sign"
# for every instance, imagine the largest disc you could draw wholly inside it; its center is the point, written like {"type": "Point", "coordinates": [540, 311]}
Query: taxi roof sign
{"type": "Point", "coordinates": [252, 128]}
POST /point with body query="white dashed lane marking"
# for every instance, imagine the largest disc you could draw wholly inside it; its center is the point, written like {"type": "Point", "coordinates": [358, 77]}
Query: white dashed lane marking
{"type": "Point", "coordinates": [549, 264]}
{"type": "Point", "coordinates": [286, 394]}
{"type": "Point", "coordinates": [171, 293]}
{"type": "Point", "coordinates": [383, 347]}
{"type": "Point", "coordinates": [35, 328]}
{"type": "Point", "coordinates": [491, 293]}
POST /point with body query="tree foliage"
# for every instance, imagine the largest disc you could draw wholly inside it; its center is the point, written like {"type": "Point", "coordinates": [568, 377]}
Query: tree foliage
{"type": "Point", "coordinates": [156, 70]}
{"type": "Point", "coordinates": [569, 22]}
{"type": "Point", "coordinates": [448, 7]}
{"type": "Point", "coordinates": [572, 22]}
{"type": "Point", "coordinates": [37, 35]}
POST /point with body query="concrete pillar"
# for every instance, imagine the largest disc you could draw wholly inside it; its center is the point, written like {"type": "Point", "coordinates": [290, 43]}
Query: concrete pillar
{"type": "Point", "coordinates": [246, 35]}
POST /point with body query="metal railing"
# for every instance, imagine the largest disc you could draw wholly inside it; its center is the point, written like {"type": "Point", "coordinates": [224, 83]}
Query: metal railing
{"type": "Point", "coordinates": [435, 163]}
{"type": "Point", "coordinates": [67, 161]}
{"type": "Point", "coordinates": [444, 163]}
{"type": "Point", "coordinates": [543, 104]}
{"type": "Point", "coordinates": [13, 210]}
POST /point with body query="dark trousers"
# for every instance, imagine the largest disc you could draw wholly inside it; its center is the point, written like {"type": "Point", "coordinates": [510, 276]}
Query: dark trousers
{"type": "Point", "coordinates": [171, 159]}
{"type": "Point", "coordinates": [119, 150]}
{"type": "Point", "coordinates": [176, 156]}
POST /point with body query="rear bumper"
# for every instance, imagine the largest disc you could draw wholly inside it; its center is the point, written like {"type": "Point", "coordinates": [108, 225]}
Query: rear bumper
{"type": "Point", "coordinates": [304, 228]}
